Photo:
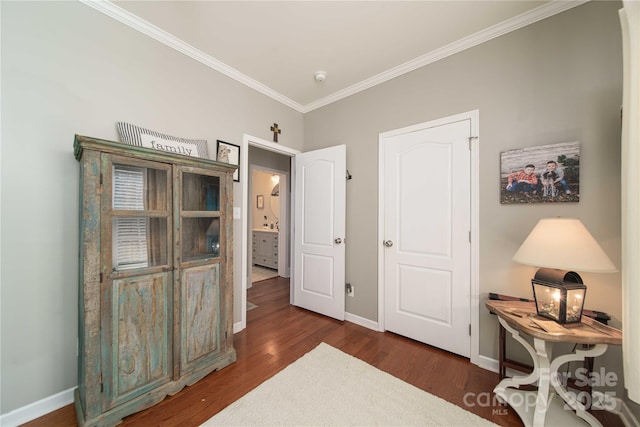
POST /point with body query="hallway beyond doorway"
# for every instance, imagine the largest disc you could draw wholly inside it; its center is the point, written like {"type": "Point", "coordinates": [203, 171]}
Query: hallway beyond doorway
{"type": "Point", "coordinates": [261, 273]}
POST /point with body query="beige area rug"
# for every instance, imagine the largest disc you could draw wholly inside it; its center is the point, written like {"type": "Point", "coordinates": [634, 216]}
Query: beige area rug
{"type": "Point", "coordinates": [327, 387]}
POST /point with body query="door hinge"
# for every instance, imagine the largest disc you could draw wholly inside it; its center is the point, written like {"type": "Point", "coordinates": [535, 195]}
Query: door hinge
{"type": "Point", "coordinates": [100, 184]}
{"type": "Point", "coordinates": [100, 277]}
{"type": "Point", "coordinates": [469, 236]}
{"type": "Point", "coordinates": [101, 385]}
{"type": "Point", "coordinates": [469, 329]}
{"type": "Point", "coordinates": [471, 139]}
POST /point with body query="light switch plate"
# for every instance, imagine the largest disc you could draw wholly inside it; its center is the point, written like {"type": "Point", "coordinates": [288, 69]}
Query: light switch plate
{"type": "Point", "coordinates": [236, 212]}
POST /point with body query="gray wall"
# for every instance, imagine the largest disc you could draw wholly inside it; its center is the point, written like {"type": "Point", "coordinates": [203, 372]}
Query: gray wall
{"type": "Point", "coordinates": [558, 80]}
{"type": "Point", "coordinates": [69, 69]}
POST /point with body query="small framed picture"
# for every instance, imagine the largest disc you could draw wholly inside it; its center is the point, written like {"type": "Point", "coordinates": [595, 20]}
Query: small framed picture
{"type": "Point", "coordinates": [260, 202]}
{"type": "Point", "coordinates": [229, 153]}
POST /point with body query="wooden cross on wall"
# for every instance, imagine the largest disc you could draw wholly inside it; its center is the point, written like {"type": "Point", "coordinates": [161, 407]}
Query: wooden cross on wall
{"type": "Point", "coordinates": [275, 131]}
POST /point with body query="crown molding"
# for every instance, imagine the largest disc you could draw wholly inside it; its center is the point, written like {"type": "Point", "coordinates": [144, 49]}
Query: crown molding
{"type": "Point", "coordinates": [139, 24]}
{"type": "Point", "coordinates": [497, 30]}
{"type": "Point", "coordinates": [542, 12]}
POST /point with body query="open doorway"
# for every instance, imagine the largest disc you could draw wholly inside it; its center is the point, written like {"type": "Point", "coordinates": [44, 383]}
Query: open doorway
{"type": "Point", "coordinates": [268, 217]}
{"type": "Point", "coordinates": [271, 156]}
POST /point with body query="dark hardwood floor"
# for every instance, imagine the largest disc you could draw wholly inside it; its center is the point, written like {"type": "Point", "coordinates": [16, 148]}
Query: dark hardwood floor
{"type": "Point", "coordinates": [278, 333]}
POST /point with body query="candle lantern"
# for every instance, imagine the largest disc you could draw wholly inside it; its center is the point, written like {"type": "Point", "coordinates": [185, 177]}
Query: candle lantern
{"type": "Point", "coordinates": [559, 295]}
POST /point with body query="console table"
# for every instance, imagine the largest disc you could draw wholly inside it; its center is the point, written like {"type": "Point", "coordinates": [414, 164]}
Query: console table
{"type": "Point", "coordinates": [536, 407]}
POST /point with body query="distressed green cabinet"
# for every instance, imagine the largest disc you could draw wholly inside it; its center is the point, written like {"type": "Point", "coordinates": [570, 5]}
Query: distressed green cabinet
{"type": "Point", "coordinates": [155, 293]}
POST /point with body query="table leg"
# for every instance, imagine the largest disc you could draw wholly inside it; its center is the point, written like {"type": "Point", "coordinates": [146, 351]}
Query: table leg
{"type": "Point", "coordinates": [572, 400]}
{"type": "Point", "coordinates": [541, 356]}
{"type": "Point", "coordinates": [502, 352]}
{"type": "Point", "coordinates": [519, 380]}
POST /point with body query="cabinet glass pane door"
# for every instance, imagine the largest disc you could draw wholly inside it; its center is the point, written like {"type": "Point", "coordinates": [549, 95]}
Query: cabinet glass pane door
{"type": "Point", "coordinates": [200, 216]}
{"type": "Point", "coordinates": [140, 216]}
{"type": "Point", "coordinates": [200, 192]}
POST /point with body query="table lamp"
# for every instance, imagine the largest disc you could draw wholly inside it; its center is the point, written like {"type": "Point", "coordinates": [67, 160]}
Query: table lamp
{"type": "Point", "coordinates": [558, 245]}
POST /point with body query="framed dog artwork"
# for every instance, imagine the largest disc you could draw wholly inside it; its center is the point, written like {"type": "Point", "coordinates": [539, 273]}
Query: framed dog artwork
{"type": "Point", "coordinates": [229, 153]}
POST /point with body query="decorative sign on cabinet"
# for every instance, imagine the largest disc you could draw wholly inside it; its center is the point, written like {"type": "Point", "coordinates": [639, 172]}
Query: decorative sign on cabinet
{"type": "Point", "coordinates": [156, 287]}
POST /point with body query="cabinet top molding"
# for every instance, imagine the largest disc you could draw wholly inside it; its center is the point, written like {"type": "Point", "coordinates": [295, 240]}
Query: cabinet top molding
{"type": "Point", "coordinates": [86, 142]}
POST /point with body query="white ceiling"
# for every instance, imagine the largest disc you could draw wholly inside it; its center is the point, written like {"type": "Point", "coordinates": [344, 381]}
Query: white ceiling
{"type": "Point", "coordinates": [277, 46]}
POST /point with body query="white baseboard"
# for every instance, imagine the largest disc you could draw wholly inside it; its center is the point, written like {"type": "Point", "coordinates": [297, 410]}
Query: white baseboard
{"type": "Point", "coordinates": [488, 363]}
{"type": "Point", "coordinates": [37, 409]}
{"type": "Point", "coordinates": [237, 327]}
{"type": "Point", "coordinates": [366, 323]}
{"type": "Point", "coordinates": [628, 418]}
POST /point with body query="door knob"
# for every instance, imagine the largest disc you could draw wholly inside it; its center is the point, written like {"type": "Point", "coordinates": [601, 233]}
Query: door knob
{"type": "Point", "coordinates": [388, 243]}
{"type": "Point", "coordinates": [338, 241]}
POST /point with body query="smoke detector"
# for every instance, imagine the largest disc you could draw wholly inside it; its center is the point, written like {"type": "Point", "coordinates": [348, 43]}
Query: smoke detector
{"type": "Point", "coordinates": [320, 76]}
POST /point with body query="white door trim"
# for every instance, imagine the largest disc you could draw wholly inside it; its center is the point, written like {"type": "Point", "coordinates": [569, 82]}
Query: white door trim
{"type": "Point", "coordinates": [474, 116]}
{"type": "Point", "coordinates": [248, 140]}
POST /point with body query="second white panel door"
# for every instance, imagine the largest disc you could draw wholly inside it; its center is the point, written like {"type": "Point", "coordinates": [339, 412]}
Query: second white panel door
{"type": "Point", "coordinates": [426, 234]}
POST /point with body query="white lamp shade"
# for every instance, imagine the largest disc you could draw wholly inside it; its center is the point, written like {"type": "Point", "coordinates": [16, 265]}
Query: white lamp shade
{"type": "Point", "coordinates": [565, 244]}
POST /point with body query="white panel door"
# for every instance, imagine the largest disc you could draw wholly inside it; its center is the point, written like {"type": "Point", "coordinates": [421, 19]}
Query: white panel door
{"type": "Point", "coordinates": [426, 244]}
{"type": "Point", "coordinates": [319, 248]}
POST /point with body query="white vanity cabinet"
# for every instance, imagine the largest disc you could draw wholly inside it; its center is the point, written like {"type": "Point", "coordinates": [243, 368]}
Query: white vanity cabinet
{"type": "Point", "coordinates": [265, 248]}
